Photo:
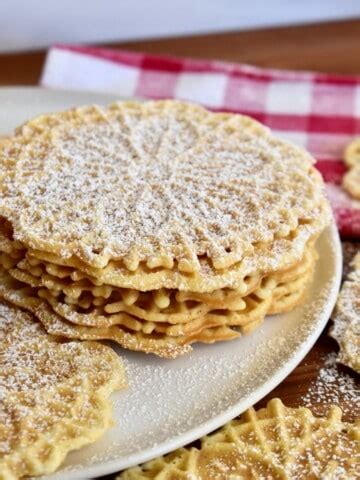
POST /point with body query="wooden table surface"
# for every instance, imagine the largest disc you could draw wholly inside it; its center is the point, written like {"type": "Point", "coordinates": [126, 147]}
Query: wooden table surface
{"type": "Point", "coordinates": [329, 48]}
{"type": "Point", "coordinates": [332, 47]}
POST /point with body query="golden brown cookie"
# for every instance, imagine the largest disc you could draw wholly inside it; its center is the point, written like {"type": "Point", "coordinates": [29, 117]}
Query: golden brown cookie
{"type": "Point", "coordinates": [351, 180]}
{"type": "Point", "coordinates": [54, 394]}
{"type": "Point", "coordinates": [275, 442]}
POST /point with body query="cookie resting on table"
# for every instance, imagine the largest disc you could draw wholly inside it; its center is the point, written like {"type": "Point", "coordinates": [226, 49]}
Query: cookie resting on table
{"type": "Point", "coordinates": [275, 442]}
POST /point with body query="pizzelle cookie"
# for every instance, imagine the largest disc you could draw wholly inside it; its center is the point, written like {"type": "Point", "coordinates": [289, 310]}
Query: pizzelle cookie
{"type": "Point", "coordinates": [346, 317]}
{"type": "Point", "coordinates": [275, 442]}
{"type": "Point", "coordinates": [54, 395]}
{"type": "Point", "coordinates": [149, 308]}
{"type": "Point", "coordinates": [156, 224]}
{"type": "Point", "coordinates": [127, 167]}
{"type": "Point", "coordinates": [279, 293]}
{"type": "Point", "coordinates": [351, 180]}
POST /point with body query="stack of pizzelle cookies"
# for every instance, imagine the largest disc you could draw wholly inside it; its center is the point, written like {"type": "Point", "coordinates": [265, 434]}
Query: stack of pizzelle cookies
{"type": "Point", "coordinates": [155, 224]}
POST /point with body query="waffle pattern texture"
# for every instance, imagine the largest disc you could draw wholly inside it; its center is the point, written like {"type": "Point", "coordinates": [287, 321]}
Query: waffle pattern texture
{"type": "Point", "coordinates": [275, 442]}
{"type": "Point", "coordinates": [156, 224]}
{"type": "Point", "coordinates": [346, 316]}
{"type": "Point", "coordinates": [54, 395]}
{"type": "Point", "coordinates": [319, 112]}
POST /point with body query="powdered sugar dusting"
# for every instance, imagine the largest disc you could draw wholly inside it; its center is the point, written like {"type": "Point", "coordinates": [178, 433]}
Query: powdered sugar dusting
{"type": "Point", "coordinates": [333, 387]}
{"type": "Point", "coordinates": [346, 317]}
{"type": "Point", "coordinates": [28, 353]}
{"type": "Point", "coordinates": [153, 179]}
{"type": "Point", "coordinates": [265, 444]}
{"type": "Point", "coordinates": [53, 394]}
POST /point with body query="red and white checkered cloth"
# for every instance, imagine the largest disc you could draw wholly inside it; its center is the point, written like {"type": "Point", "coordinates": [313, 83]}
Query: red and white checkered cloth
{"type": "Point", "coordinates": [320, 112]}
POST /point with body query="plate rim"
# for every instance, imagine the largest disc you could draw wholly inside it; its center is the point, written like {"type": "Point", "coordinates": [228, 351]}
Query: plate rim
{"type": "Point", "coordinates": [112, 466]}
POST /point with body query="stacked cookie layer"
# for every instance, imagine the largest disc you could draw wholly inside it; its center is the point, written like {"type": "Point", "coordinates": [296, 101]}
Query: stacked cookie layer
{"type": "Point", "coordinates": [155, 224]}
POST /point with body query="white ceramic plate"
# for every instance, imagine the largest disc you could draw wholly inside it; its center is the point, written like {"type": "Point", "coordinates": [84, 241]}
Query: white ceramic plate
{"type": "Point", "coordinates": [172, 402]}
